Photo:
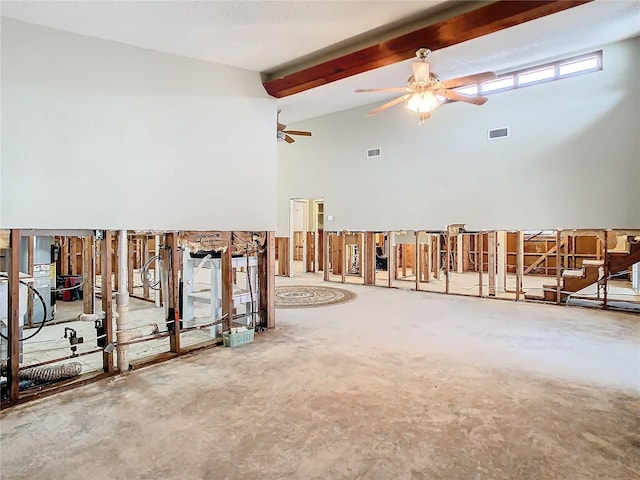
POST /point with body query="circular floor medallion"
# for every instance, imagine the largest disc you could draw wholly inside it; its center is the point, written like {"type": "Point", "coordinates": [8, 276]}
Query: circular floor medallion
{"type": "Point", "coordinates": [304, 296]}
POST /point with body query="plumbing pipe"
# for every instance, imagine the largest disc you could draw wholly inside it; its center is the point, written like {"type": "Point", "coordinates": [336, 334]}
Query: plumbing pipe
{"type": "Point", "coordinates": [139, 332]}
{"type": "Point", "coordinates": [92, 317]}
{"type": "Point", "coordinates": [122, 302]}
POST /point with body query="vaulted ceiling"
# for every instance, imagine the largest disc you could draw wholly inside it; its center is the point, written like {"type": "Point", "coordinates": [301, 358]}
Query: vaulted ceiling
{"type": "Point", "coordinates": [305, 49]}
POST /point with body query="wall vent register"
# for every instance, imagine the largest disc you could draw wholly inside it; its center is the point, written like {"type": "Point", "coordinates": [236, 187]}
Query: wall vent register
{"type": "Point", "coordinates": [374, 152]}
{"type": "Point", "coordinates": [496, 133]}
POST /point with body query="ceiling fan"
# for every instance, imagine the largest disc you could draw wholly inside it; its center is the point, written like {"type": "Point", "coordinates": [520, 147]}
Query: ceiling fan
{"type": "Point", "coordinates": [425, 91]}
{"type": "Point", "coordinates": [285, 134]}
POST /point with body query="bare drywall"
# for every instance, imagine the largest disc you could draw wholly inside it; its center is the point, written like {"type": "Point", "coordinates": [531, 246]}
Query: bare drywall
{"type": "Point", "coordinates": [572, 159]}
{"type": "Point", "coordinates": [97, 134]}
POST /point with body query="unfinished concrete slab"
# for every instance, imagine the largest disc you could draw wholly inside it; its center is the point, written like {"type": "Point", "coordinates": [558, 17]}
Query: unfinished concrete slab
{"type": "Point", "coordinates": [396, 384]}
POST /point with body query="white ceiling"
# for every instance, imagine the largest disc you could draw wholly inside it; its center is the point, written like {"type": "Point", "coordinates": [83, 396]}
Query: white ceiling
{"type": "Point", "coordinates": [263, 35]}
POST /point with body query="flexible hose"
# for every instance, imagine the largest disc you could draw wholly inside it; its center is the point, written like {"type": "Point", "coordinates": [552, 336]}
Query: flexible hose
{"type": "Point", "coordinates": [44, 309]}
{"type": "Point", "coordinates": [46, 374]}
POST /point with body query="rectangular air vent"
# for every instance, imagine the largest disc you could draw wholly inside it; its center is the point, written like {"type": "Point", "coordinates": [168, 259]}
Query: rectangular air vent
{"type": "Point", "coordinates": [498, 133]}
{"type": "Point", "coordinates": [374, 152]}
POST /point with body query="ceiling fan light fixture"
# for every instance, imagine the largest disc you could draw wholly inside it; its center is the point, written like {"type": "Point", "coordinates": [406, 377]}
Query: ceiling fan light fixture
{"type": "Point", "coordinates": [424, 102]}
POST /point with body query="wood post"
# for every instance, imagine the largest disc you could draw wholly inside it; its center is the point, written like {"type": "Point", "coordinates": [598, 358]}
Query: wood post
{"type": "Point", "coordinates": [130, 261]}
{"type": "Point", "coordinates": [480, 263]}
{"type": "Point", "coordinates": [266, 279]}
{"type": "Point", "coordinates": [558, 268]}
{"type": "Point", "coordinates": [310, 260]}
{"type": "Point", "coordinates": [491, 261]}
{"type": "Point", "coordinates": [88, 274]}
{"type": "Point", "coordinates": [369, 258]}
{"type": "Point", "coordinates": [429, 255]}
{"type": "Point", "coordinates": [227, 282]}
{"type": "Point", "coordinates": [391, 261]}
{"type": "Point", "coordinates": [174, 290]}
{"type": "Point", "coordinates": [605, 256]}
{"type": "Point", "coordinates": [417, 257]}
{"type": "Point", "coordinates": [447, 267]}
{"type": "Point", "coordinates": [325, 255]}
{"type": "Point", "coordinates": [519, 262]}
{"type": "Point", "coordinates": [343, 255]}
{"type": "Point", "coordinates": [144, 259]}
{"type": "Point", "coordinates": [30, 254]}
{"type": "Point", "coordinates": [106, 290]}
{"type": "Point", "coordinates": [13, 314]}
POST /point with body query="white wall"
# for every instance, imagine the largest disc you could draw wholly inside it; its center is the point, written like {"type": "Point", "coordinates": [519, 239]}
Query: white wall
{"type": "Point", "coordinates": [97, 134]}
{"type": "Point", "coordinates": [572, 161]}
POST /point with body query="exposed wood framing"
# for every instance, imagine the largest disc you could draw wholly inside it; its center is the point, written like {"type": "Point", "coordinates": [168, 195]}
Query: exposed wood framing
{"type": "Point", "coordinates": [266, 281]}
{"type": "Point", "coordinates": [519, 262]}
{"type": "Point", "coordinates": [447, 265]}
{"type": "Point", "coordinates": [343, 255]}
{"type": "Point", "coordinates": [416, 259]}
{"type": "Point", "coordinates": [491, 258]}
{"type": "Point", "coordinates": [391, 261]}
{"type": "Point", "coordinates": [479, 238]}
{"type": "Point", "coordinates": [227, 282]}
{"type": "Point", "coordinates": [282, 244]}
{"type": "Point", "coordinates": [174, 289]}
{"type": "Point", "coordinates": [30, 247]}
{"type": "Point", "coordinates": [145, 257]}
{"type": "Point", "coordinates": [605, 255]}
{"type": "Point", "coordinates": [88, 274]}
{"type": "Point", "coordinates": [131, 260]}
{"type": "Point", "coordinates": [106, 291]}
{"type": "Point", "coordinates": [558, 269]}
{"type": "Point", "coordinates": [325, 255]}
{"type": "Point", "coordinates": [13, 312]}
{"type": "Point", "coordinates": [369, 258]}
{"type": "Point", "coordinates": [460, 28]}
{"type": "Point", "coordinates": [310, 260]}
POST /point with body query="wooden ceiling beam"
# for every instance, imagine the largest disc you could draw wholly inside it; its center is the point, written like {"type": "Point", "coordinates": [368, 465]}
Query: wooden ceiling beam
{"type": "Point", "coordinates": [460, 28]}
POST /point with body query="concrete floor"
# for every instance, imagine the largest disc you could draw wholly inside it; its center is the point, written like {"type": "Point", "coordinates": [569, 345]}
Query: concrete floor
{"type": "Point", "coordinates": [395, 384]}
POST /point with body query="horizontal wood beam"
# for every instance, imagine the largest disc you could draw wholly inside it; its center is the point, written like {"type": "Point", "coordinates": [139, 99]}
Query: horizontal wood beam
{"type": "Point", "coordinates": [460, 28]}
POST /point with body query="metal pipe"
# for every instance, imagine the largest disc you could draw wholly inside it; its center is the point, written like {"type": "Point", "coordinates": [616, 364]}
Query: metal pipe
{"type": "Point", "coordinates": [122, 302]}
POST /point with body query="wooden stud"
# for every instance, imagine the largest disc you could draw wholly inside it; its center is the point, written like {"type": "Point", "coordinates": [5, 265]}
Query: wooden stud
{"type": "Point", "coordinates": [88, 274]}
{"type": "Point", "coordinates": [369, 258]}
{"type": "Point", "coordinates": [143, 260]}
{"type": "Point", "coordinates": [266, 281]}
{"type": "Point", "coordinates": [519, 262]}
{"type": "Point", "coordinates": [605, 263]}
{"type": "Point", "coordinates": [479, 237]}
{"type": "Point", "coordinates": [174, 290]}
{"type": "Point", "coordinates": [447, 267]}
{"type": "Point", "coordinates": [30, 255]}
{"type": "Point", "coordinates": [343, 256]}
{"type": "Point", "coordinates": [437, 265]}
{"type": "Point", "coordinates": [226, 261]}
{"type": "Point", "coordinates": [13, 313]}
{"type": "Point", "coordinates": [107, 303]}
{"type": "Point", "coordinates": [416, 260]}
{"type": "Point", "coordinates": [311, 252]}
{"type": "Point", "coordinates": [325, 255]}
{"type": "Point", "coordinates": [429, 258]}
{"type": "Point", "coordinates": [558, 268]}
{"type": "Point", "coordinates": [491, 260]}
{"type": "Point", "coordinates": [131, 254]}
{"type": "Point", "coordinates": [445, 33]}
{"type": "Point", "coordinates": [391, 261]}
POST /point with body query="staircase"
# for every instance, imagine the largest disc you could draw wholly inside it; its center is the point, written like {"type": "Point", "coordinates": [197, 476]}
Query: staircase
{"type": "Point", "coordinates": [574, 280]}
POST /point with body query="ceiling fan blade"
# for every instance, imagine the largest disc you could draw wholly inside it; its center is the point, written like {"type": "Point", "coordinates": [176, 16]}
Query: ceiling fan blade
{"type": "Point", "coordinates": [420, 71]}
{"type": "Point", "coordinates": [288, 139]}
{"type": "Point", "coordinates": [469, 79]}
{"type": "Point", "coordinates": [297, 132]}
{"type": "Point", "coordinates": [392, 89]}
{"type": "Point", "coordinates": [281, 126]}
{"type": "Point", "coordinates": [390, 104]}
{"type": "Point", "coordinates": [458, 97]}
